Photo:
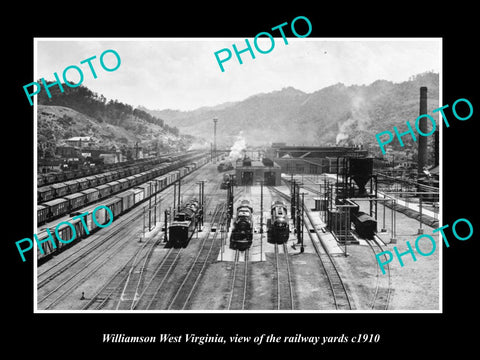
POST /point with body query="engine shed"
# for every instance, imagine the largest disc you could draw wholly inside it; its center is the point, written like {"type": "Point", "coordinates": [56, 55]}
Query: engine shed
{"type": "Point", "coordinates": [251, 172]}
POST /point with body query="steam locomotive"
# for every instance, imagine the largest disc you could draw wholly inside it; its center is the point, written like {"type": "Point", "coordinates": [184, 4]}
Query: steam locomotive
{"type": "Point", "coordinates": [242, 233]}
{"type": "Point", "coordinates": [183, 226]}
{"type": "Point", "coordinates": [228, 179]}
{"type": "Point", "coordinates": [225, 166]}
{"type": "Point", "coordinates": [278, 229]}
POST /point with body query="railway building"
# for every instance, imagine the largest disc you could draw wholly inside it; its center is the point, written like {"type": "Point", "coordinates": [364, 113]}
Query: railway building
{"type": "Point", "coordinates": [250, 172]}
{"type": "Point", "coordinates": [311, 159]}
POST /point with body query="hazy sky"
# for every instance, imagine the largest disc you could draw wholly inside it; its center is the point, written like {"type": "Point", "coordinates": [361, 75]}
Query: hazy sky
{"type": "Point", "coordinates": [178, 73]}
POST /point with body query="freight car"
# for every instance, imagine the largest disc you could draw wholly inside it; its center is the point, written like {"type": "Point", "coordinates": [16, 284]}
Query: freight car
{"type": "Point", "coordinates": [134, 166]}
{"type": "Point", "coordinates": [365, 225]}
{"type": "Point", "coordinates": [183, 226]}
{"type": "Point", "coordinates": [90, 189]}
{"type": "Point", "coordinates": [242, 232]}
{"type": "Point", "coordinates": [278, 228]}
{"type": "Point", "coordinates": [119, 204]}
{"type": "Point", "coordinates": [64, 231]}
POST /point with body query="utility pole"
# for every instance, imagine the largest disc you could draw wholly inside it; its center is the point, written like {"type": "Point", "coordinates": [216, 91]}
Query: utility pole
{"type": "Point", "coordinates": [150, 209]}
{"type": "Point", "coordinates": [215, 139]}
{"type": "Point", "coordinates": [174, 195]}
{"type": "Point", "coordinates": [200, 202]}
{"type": "Point", "coordinates": [178, 202]}
{"type": "Point", "coordinates": [261, 207]}
{"type": "Point", "coordinates": [292, 201]}
{"type": "Point", "coordinates": [301, 223]}
{"type": "Point", "coordinates": [165, 237]}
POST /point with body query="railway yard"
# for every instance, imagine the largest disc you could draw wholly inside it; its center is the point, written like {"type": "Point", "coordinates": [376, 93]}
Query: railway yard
{"type": "Point", "coordinates": [130, 266]}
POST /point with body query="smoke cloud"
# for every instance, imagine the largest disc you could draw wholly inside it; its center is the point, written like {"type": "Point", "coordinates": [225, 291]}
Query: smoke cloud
{"type": "Point", "coordinates": [199, 145]}
{"type": "Point", "coordinates": [358, 121]}
{"type": "Point", "coordinates": [236, 151]}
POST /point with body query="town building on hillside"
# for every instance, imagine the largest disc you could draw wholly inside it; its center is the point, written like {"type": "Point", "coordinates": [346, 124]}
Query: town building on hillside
{"type": "Point", "coordinates": [80, 141]}
{"type": "Point", "coordinates": [67, 152]}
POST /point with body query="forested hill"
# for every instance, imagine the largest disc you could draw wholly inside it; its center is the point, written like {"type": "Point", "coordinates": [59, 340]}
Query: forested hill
{"type": "Point", "coordinates": [85, 101]}
{"type": "Point", "coordinates": [337, 114]}
{"type": "Point", "coordinates": [109, 123]}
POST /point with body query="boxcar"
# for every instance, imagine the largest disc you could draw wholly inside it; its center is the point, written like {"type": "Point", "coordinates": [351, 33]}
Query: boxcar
{"type": "Point", "coordinates": [46, 247]}
{"type": "Point", "coordinates": [162, 181]}
{"type": "Point", "coordinates": [92, 195]}
{"type": "Point", "coordinates": [123, 184]}
{"type": "Point", "coordinates": [100, 179]}
{"type": "Point", "coordinates": [73, 186]}
{"type": "Point", "coordinates": [42, 213]}
{"type": "Point", "coordinates": [65, 232]}
{"type": "Point", "coordinates": [138, 179]}
{"type": "Point", "coordinates": [138, 195]}
{"type": "Point", "coordinates": [75, 201]}
{"type": "Point", "coordinates": [50, 178]}
{"type": "Point", "coordinates": [115, 186]}
{"type": "Point", "coordinates": [103, 190]}
{"type": "Point", "coordinates": [108, 176]}
{"type": "Point", "coordinates": [127, 200]}
{"type": "Point", "coordinates": [92, 181]}
{"type": "Point", "coordinates": [146, 189]}
{"type": "Point", "coordinates": [57, 207]}
{"type": "Point", "coordinates": [40, 180]}
{"type": "Point", "coordinates": [91, 225]}
{"type": "Point", "coordinates": [131, 180]}
{"type": "Point", "coordinates": [114, 204]}
{"type": "Point", "coordinates": [45, 193]}
{"type": "Point", "coordinates": [83, 183]}
{"type": "Point", "coordinates": [118, 174]}
{"type": "Point", "coordinates": [61, 189]}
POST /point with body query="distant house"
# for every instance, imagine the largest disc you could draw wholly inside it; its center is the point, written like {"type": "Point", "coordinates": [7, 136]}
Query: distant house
{"type": "Point", "coordinates": [109, 156]}
{"type": "Point", "coordinates": [80, 141]}
{"type": "Point", "coordinates": [49, 165]}
{"type": "Point", "coordinates": [67, 152]}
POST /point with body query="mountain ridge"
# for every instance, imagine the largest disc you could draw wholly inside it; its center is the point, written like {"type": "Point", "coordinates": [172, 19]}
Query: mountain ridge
{"type": "Point", "coordinates": [352, 114]}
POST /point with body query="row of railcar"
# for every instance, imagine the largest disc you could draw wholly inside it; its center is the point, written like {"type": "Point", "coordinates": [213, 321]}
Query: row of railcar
{"type": "Point", "coordinates": [52, 209]}
{"type": "Point", "coordinates": [140, 164]}
{"type": "Point", "coordinates": [118, 204]}
{"type": "Point", "coordinates": [58, 190]}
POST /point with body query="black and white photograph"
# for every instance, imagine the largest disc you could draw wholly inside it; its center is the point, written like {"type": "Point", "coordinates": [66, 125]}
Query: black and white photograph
{"type": "Point", "coordinates": [289, 183]}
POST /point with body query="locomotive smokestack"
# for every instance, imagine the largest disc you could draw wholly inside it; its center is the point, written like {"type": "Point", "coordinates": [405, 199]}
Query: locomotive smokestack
{"type": "Point", "coordinates": [422, 140]}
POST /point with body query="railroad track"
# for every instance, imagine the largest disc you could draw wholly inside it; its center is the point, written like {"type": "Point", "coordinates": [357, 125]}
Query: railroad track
{"type": "Point", "coordinates": [206, 255]}
{"type": "Point", "coordinates": [381, 297]}
{"type": "Point", "coordinates": [149, 296]}
{"type": "Point", "coordinates": [339, 292]}
{"type": "Point", "coordinates": [154, 293]}
{"type": "Point", "coordinates": [97, 247]}
{"type": "Point", "coordinates": [81, 252]}
{"type": "Point", "coordinates": [284, 294]}
{"type": "Point", "coordinates": [135, 277]}
{"type": "Point", "coordinates": [238, 291]}
{"type": "Point", "coordinates": [337, 287]}
{"type": "Point", "coordinates": [115, 287]}
{"type": "Point", "coordinates": [73, 280]}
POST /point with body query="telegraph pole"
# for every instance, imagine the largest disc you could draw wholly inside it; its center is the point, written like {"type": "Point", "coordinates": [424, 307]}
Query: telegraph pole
{"type": "Point", "coordinates": [178, 202]}
{"type": "Point", "coordinates": [261, 207]}
{"type": "Point", "coordinates": [215, 139]}
{"type": "Point", "coordinates": [301, 222]}
{"type": "Point", "coordinates": [150, 209]}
